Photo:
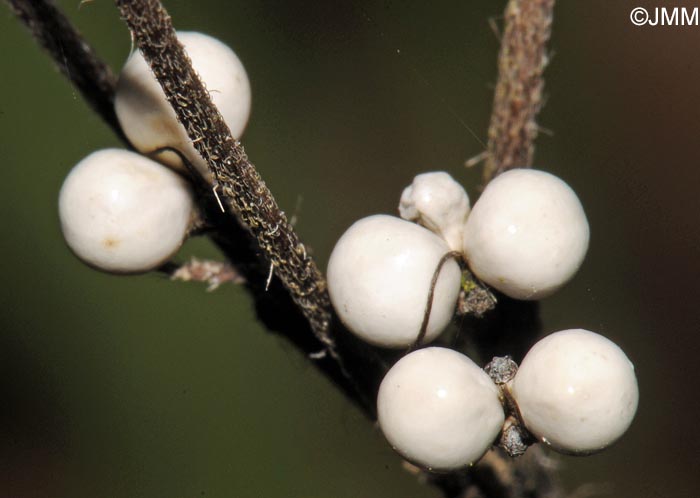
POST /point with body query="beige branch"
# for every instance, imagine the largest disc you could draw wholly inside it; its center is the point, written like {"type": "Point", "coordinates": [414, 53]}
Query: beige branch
{"type": "Point", "coordinates": [518, 96]}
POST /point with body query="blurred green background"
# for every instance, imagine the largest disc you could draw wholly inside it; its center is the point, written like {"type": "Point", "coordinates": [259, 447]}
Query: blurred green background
{"type": "Point", "coordinates": [138, 387]}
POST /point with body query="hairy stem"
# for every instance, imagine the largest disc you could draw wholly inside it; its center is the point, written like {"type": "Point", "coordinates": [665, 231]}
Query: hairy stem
{"type": "Point", "coordinates": [518, 96]}
{"type": "Point", "coordinates": [237, 181]}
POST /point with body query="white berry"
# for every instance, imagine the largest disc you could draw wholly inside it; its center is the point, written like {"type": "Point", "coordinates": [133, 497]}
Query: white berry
{"type": "Point", "coordinates": [149, 121]}
{"type": "Point", "coordinates": [527, 234]}
{"type": "Point", "coordinates": [122, 212]}
{"type": "Point", "coordinates": [439, 203]}
{"type": "Point", "coordinates": [576, 391]}
{"type": "Point", "coordinates": [438, 409]}
{"type": "Point", "coordinates": [379, 277]}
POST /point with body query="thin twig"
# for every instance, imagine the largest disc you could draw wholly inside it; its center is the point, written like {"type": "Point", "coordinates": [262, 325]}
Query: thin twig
{"type": "Point", "coordinates": [518, 96]}
{"type": "Point", "coordinates": [74, 58]}
{"type": "Point", "coordinates": [452, 255]}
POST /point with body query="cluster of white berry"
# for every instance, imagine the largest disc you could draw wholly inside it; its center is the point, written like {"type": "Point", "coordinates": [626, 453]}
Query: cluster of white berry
{"type": "Point", "coordinates": [526, 236]}
{"type": "Point", "coordinates": [124, 212]}
{"type": "Point", "coordinates": [391, 280]}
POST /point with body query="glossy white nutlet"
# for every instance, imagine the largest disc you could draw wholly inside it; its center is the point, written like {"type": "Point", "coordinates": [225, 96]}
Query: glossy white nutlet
{"type": "Point", "coordinates": [527, 234]}
{"type": "Point", "coordinates": [149, 121]}
{"type": "Point", "coordinates": [379, 277]}
{"type": "Point", "coordinates": [438, 409]}
{"type": "Point", "coordinates": [122, 212]}
{"type": "Point", "coordinates": [576, 391]}
{"type": "Point", "coordinates": [436, 201]}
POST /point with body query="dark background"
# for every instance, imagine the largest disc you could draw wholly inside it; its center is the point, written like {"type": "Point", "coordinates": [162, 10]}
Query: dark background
{"type": "Point", "coordinates": [134, 386]}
